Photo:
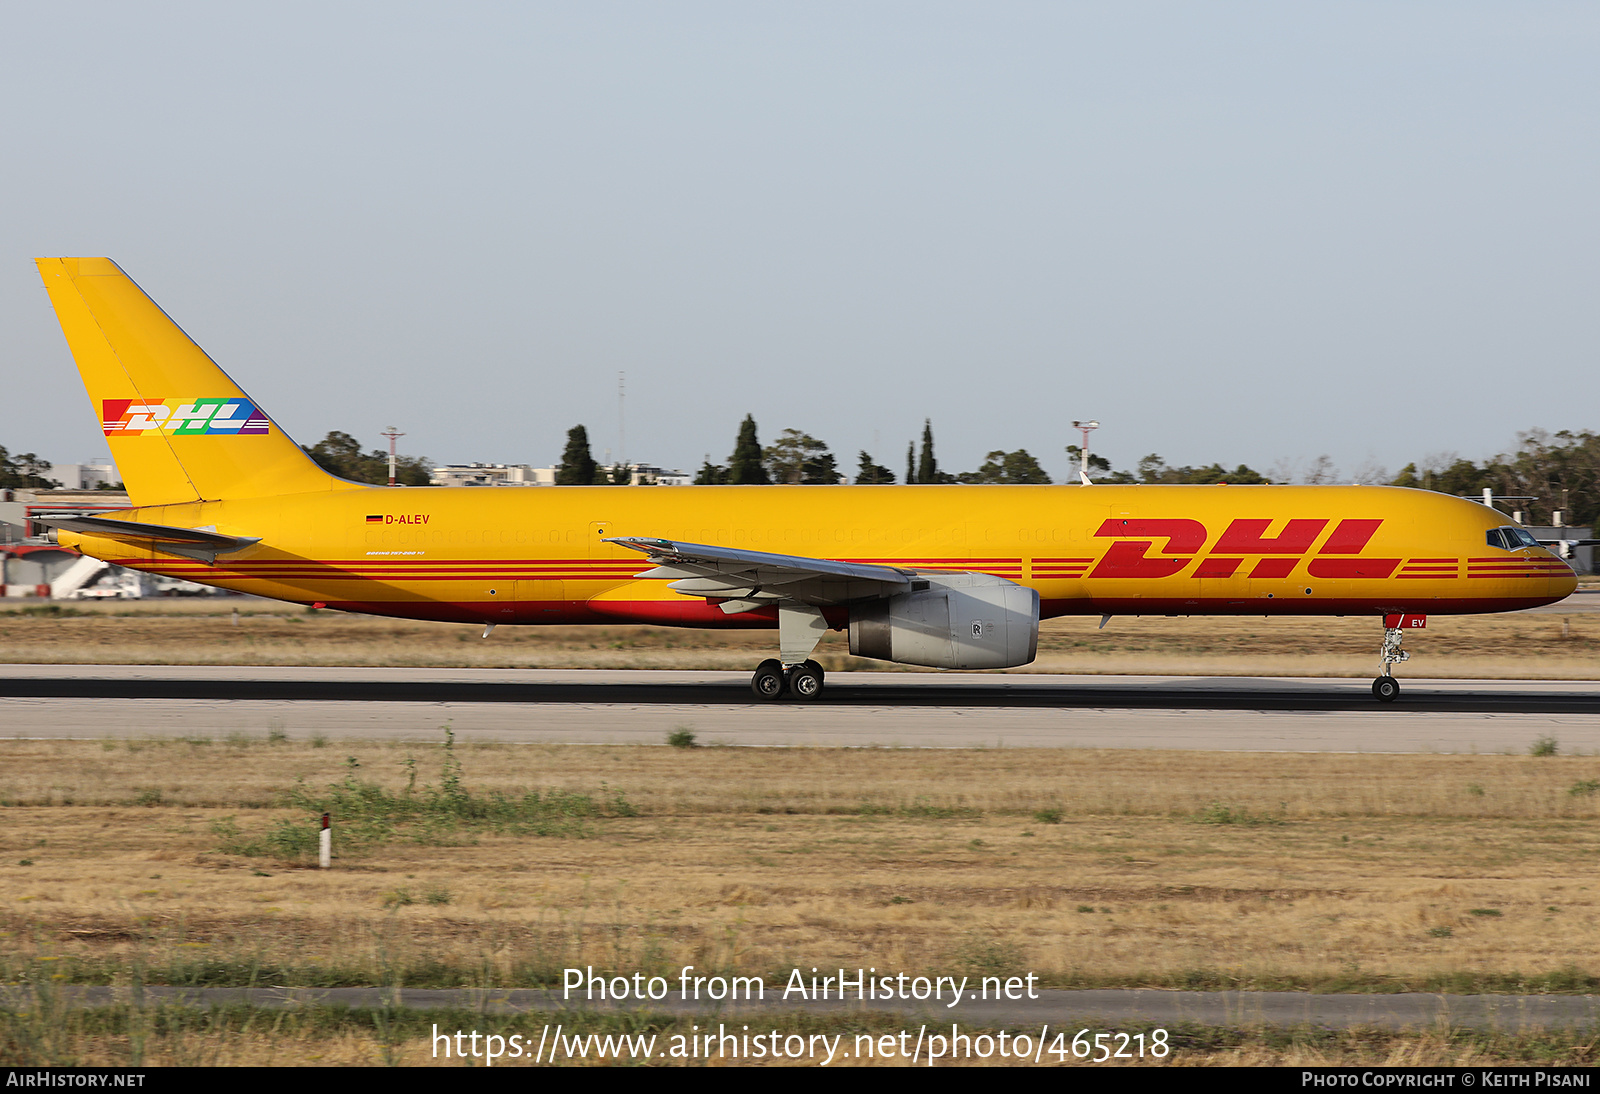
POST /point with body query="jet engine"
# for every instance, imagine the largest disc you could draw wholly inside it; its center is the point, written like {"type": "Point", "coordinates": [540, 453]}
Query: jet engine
{"type": "Point", "coordinates": [950, 621]}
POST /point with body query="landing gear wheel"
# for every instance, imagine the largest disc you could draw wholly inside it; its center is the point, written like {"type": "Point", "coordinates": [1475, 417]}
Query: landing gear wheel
{"type": "Point", "coordinates": [816, 668]}
{"type": "Point", "coordinates": [768, 683]}
{"type": "Point", "coordinates": [805, 682]}
{"type": "Point", "coordinates": [1386, 689]}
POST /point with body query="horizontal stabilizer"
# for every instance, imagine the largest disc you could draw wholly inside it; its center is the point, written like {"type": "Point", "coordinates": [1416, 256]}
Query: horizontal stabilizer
{"type": "Point", "coordinates": [201, 543]}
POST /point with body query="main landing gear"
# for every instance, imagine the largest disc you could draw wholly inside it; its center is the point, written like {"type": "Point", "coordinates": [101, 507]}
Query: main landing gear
{"type": "Point", "coordinates": [792, 672]}
{"type": "Point", "coordinates": [773, 681]}
{"type": "Point", "coordinates": [1386, 689]}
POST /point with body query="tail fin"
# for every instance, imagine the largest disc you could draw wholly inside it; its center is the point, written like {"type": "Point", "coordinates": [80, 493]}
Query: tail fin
{"type": "Point", "coordinates": [179, 429]}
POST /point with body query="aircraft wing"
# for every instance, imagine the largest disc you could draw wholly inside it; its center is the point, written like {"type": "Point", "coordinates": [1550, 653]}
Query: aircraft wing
{"type": "Point", "coordinates": [201, 543]}
{"type": "Point", "coordinates": [744, 580]}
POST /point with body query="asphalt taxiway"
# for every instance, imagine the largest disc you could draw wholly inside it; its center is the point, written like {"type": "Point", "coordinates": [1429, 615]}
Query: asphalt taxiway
{"type": "Point", "coordinates": [949, 710]}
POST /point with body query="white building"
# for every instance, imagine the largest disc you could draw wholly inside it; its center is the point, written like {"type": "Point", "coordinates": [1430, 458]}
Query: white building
{"type": "Point", "coordinates": [520, 474]}
{"type": "Point", "coordinates": [646, 475]}
{"type": "Point", "coordinates": [492, 474]}
{"type": "Point", "coordinates": [84, 476]}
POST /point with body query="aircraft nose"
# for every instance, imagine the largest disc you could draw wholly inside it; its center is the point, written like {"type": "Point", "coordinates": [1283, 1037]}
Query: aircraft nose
{"type": "Point", "coordinates": [1563, 585]}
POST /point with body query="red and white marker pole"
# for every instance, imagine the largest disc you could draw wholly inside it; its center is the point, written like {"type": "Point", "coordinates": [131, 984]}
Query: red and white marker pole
{"type": "Point", "coordinates": [325, 844]}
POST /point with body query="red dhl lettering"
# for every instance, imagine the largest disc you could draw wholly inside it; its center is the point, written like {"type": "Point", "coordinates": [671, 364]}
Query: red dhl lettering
{"type": "Point", "coordinates": [1127, 559]}
{"type": "Point", "coordinates": [1274, 567]}
{"type": "Point", "coordinates": [1244, 537]}
{"type": "Point", "coordinates": [1350, 537]}
{"type": "Point", "coordinates": [1130, 557]}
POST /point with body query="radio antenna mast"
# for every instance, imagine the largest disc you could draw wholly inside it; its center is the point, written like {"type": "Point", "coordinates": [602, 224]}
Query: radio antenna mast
{"type": "Point", "coordinates": [392, 433]}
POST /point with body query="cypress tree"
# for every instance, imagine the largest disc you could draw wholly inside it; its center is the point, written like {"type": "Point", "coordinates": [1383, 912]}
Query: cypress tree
{"type": "Point", "coordinates": [927, 467]}
{"type": "Point", "coordinates": [577, 467]}
{"type": "Point", "coordinates": [911, 462]}
{"type": "Point", "coordinates": [744, 466]}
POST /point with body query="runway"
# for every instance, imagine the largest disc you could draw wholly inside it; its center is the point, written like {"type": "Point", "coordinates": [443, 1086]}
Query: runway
{"type": "Point", "coordinates": [945, 710]}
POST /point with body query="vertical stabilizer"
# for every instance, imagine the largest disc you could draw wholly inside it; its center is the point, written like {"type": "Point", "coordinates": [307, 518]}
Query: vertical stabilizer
{"type": "Point", "coordinates": [179, 429]}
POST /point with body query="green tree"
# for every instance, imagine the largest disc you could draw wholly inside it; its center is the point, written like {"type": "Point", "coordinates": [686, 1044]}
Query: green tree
{"type": "Point", "coordinates": [793, 454]}
{"type": "Point", "coordinates": [1460, 477]}
{"type": "Point", "coordinates": [1547, 472]}
{"type": "Point", "coordinates": [711, 474]}
{"type": "Point", "coordinates": [872, 474]}
{"type": "Point", "coordinates": [744, 466]}
{"type": "Point", "coordinates": [1008, 467]}
{"type": "Point", "coordinates": [1154, 471]}
{"type": "Point", "coordinates": [927, 466]}
{"type": "Point", "coordinates": [577, 467]}
{"type": "Point", "coordinates": [1097, 464]}
{"type": "Point", "coordinates": [911, 462]}
{"type": "Point", "coordinates": [24, 471]}
{"type": "Point", "coordinates": [340, 454]}
{"type": "Point", "coordinates": [820, 469]}
{"type": "Point", "coordinates": [1409, 476]}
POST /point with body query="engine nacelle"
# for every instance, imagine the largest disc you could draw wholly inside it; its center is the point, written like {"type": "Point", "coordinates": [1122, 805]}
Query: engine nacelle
{"type": "Point", "coordinates": [951, 621]}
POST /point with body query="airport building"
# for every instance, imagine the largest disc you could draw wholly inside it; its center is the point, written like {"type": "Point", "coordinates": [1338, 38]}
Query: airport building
{"type": "Point", "coordinates": [521, 474]}
{"type": "Point", "coordinates": [95, 475]}
{"type": "Point", "coordinates": [31, 565]}
{"type": "Point", "coordinates": [492, 474]}
{"type": "Point", "coordinates": [1573, 544]}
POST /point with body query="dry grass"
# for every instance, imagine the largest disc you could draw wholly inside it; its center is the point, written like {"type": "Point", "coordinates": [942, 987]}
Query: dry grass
{"type": "Point", "coordinates": [125, 1035]}
{"type": "Point", "coordinates": [1089, 868]}
{"type": "Point", "coordinates": [1534, 646]}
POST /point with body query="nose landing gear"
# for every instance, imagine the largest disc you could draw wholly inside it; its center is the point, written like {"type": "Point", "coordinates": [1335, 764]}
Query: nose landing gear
{"type": "Point", "coordinates": [1386, 689]}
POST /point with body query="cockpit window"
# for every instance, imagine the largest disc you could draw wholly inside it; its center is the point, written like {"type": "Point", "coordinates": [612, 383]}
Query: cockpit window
{"type": "Point", "coordinates": [1511, 538]}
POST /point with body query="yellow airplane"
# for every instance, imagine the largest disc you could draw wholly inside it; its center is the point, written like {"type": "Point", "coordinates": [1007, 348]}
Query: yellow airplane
{"type": "Point", "coordinates": [945, 576]}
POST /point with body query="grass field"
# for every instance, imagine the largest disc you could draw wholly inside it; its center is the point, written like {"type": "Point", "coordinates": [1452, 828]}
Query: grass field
{"type": "Point", "coordinates": [1533, 646]}
{"type": "Point", "coordinates": [187, 862]}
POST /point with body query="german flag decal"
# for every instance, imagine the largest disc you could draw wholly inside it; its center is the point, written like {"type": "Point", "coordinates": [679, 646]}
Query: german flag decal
{"type": "Point", "coordinates": [378, 519]}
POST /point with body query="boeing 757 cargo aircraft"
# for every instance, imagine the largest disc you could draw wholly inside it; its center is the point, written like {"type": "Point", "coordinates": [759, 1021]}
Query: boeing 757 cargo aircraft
{"type": "Point", "coordinates": [945, 576]}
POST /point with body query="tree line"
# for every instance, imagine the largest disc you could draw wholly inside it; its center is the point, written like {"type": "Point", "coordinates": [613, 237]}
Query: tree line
{"type": "Point", "coordinates": [24, 471]}
{"type": "Point", "coordinates": [1547, 472]}
{"type": "Point", "coordinates": [340, 454]}
{"type": "Point", "coordinates": [799, 458]}
{"type": "Point", "coordinates": [1553, 471]}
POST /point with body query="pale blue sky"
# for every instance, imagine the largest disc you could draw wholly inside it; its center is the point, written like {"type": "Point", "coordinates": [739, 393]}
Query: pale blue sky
{"type": "Point", "coordinates": [1231, 231]}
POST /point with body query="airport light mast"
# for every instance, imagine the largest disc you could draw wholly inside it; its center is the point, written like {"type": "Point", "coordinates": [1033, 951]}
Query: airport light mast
{"type": "Point", "coordinates": [392, 433]}
{"type": "Point", "coordinates": [1085, 428]}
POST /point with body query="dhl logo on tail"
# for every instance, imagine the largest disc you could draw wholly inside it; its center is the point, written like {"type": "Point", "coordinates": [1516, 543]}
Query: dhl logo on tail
{"type": "Point", "coordinates": [182, 418]}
